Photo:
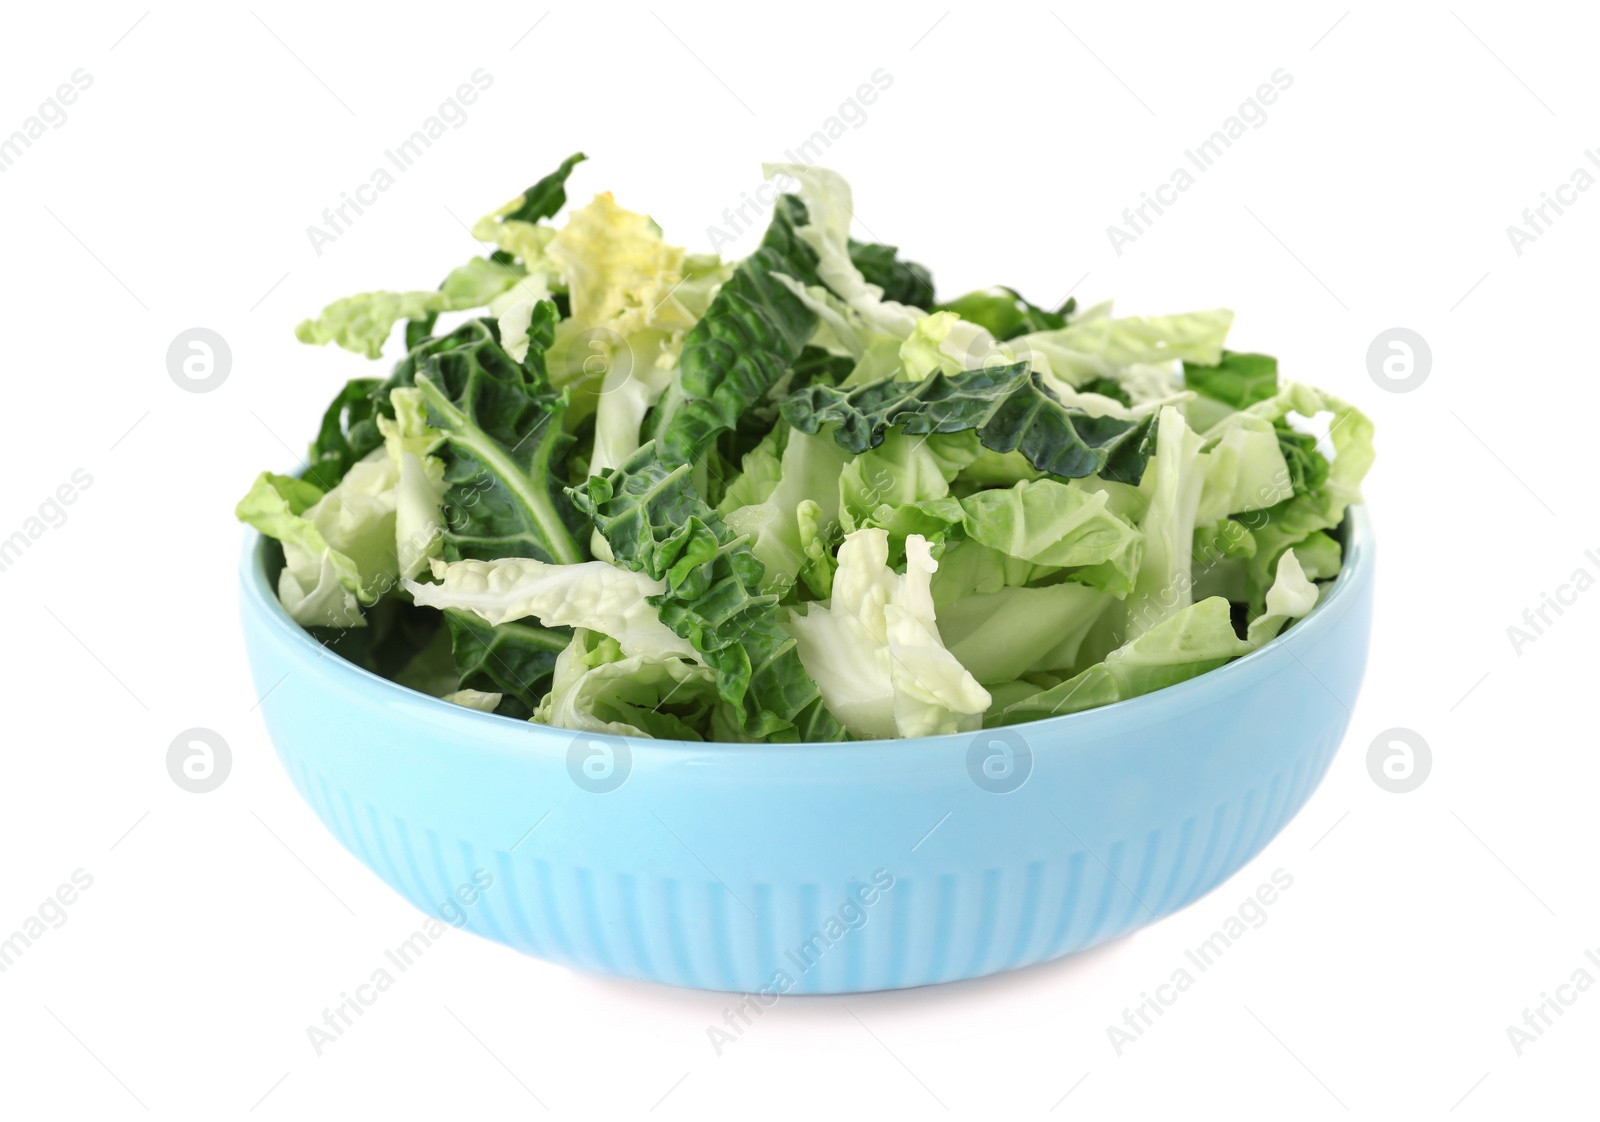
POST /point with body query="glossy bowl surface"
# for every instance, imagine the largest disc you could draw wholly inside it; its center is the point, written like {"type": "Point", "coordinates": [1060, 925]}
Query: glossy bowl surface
{"type": "Point", "coordinates": [814, 868]}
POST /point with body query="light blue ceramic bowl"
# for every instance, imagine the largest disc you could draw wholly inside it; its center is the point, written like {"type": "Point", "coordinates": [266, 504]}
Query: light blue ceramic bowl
{"type": "Point", "coordinates": [814, 868]}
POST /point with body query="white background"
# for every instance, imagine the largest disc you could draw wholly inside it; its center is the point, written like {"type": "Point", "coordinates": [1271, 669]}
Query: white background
{"type": "Point", "coordinates": [1377, 194]}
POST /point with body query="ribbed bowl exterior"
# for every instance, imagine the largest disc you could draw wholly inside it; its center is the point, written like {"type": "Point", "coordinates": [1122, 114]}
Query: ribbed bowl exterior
{"type": "Point", "coordinates": [814, 868]}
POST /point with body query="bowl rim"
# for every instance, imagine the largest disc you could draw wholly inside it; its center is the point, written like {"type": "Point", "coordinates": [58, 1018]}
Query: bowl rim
{"type": "Point", "coordinates": [1169, 702]}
